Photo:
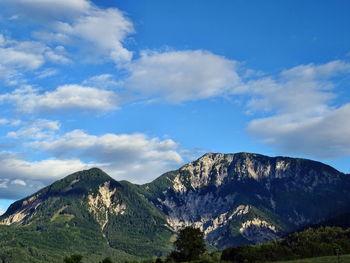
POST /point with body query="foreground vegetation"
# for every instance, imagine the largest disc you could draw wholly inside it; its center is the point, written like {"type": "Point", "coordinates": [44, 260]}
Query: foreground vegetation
{"type": "Point", "coordinates": [313, 245]}
{"type": "Point", "coordinates": [329, 259]}
{"type": "Point", "coordinates": [323, 241]}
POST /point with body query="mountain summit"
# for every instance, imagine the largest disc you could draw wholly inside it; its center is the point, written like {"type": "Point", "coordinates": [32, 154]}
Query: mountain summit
{"type": "Point", "coordinates": [235, 199]}
{"type": "Point", "coordinates": [72, 187]}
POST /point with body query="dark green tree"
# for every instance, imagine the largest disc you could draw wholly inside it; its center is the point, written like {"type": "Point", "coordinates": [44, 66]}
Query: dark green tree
{"type": "Point", "coordinates": [73, 259]}
{"type": "Point", "coordinates": [107, 260]}
{"type": "Point", "coordinates": [190, 245]}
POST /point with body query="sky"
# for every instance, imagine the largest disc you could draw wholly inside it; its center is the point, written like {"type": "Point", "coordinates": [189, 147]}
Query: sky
{"type": "Point", "coordinates": [139, 88]}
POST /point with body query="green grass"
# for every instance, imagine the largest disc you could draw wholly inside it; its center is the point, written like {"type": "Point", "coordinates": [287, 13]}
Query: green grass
{"type": "Point", "coordinates": [329, 259]}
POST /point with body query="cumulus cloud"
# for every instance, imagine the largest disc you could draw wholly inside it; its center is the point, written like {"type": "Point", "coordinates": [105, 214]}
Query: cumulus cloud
{"type": "Point", "coordinates": [80, 25]}
{"type": "Point", "coordinates": [325, 136]}
{"type": "Point", "coordinates": [134, 157]}
{"type": "Point", "coordinates": [178, 76]}
{"type": "Point", "coordinates": [36, 129]}
{"type": "Point", "coordinates": [18, 57]}
{"type": "Point", "coordinates": [302, 90]}
{"type": "Point", "coordinates": [101, 30]}
{"type": "Point", "coordinates": [48, 9]}
{"type": "Point", "coordinates": [15, 167]}
{"type": "Point", "coordinates": [21, 177]}
{"type": "Point", "coordinates": [63, 98]}
{"type": "Point", "coordinates": [301, 118]}
{"type": "Point", "coordinates": [19, 182]}
{"type": "Point", "coordinates": [15, 58]}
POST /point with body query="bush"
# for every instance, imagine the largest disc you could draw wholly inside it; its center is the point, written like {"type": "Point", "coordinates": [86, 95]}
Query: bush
{"type": "Point", "coordinates": [76, 258]}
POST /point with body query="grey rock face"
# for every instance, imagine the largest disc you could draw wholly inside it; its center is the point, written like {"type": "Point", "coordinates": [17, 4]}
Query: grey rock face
{"type": "Point", "coordinates": [250, 198]}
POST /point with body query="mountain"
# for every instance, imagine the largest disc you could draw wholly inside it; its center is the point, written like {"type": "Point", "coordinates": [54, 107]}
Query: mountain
{"type": "Point", "coordinates": [87, 212]}
{"type": "Point", "coordinates": [249, 198]}
{"type": "Point", "coordinates": [235, 199]}
{"type": "Point", "coordinates": [342, 220]}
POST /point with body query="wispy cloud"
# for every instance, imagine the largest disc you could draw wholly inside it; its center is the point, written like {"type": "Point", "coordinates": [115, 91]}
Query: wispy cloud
{"type": "Point", "coordinates": [104, 81]}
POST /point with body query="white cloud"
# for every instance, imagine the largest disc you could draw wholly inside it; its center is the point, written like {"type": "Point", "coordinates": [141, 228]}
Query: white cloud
{"type": "Point", "coordinates": [2, 211]}
{"type": "Point", "coordinates": [104, 81]}
{"type": "Point", "coordinates": [303, 90]}
{"type": "Point", "coordinates": [64, 98]}
{"type": "Point", "coordinates": [4, 183]}
{"type": "Point", "coordinates": [103, 31]}
{"type": "Point", "coordinates": [18, 57]}
{"type": "Point", "coordinates": [178, 76]}
{"type": "Point", "coordinates": [15, 167]}
{"type": "Point", "coordinates": [4, 121]}
{"type": "Point", "coordinates": [36, 129]}
{"type": "Point", "coordinates": [14, 58]}
{"type": "Point", "coordinates": [19, 182]}
{"type": "Point", "coordinates": [326, 136]}
{"type": "Point", "coordinates": [47, 73]}
{"type": "Point", "coordinates": [48, 9]}
{"type": "Point", "coordinates": [313, 72]}
{"type": "Point", "coordinates": [301, 118]}
{"type": "Point", "coordinates": [8, 122]}
{"type": "Point", "coordinates": [88, 30]}
{"type": "Point", "coordinates": [21, 177]}
{"type": "Point", "coordinates": [132, 157]}
{"type": "Point", "coordinates": [80, 25]}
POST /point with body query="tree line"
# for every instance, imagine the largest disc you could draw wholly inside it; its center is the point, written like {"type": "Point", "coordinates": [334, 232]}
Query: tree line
{"type": "Point", "coordinates": [190, 246]}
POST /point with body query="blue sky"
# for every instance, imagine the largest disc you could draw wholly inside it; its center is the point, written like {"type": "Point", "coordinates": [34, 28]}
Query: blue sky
{"type": "Point", "coordinates": [141, 87]}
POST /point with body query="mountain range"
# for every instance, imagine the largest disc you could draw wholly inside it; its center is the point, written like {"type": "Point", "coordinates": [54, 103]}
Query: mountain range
{"type": "Point", "coordinates": [234, 199]}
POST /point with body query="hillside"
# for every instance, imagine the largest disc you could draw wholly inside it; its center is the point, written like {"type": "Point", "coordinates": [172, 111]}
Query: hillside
{"type": "Point", "coordinates": [84, 212]}
{"type": "Point", "coordinates": [310, 243]}
{"type": "Point", "coordinates": [328, 259]}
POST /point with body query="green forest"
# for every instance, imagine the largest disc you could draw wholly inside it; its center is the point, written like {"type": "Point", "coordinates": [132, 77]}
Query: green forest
{"type": "Point", "coordinates": [321, 245]}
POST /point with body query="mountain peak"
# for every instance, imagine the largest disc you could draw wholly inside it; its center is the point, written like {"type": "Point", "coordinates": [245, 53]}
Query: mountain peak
{"type": "Point", "coordinates": [81, 182]}
{"type": "Point", "coordinates": [74, 186]}
{"type": "Point", "coordinates": [89, 174]}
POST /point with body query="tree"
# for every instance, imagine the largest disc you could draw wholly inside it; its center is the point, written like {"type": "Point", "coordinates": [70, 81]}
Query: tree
{"type": "Point", "coordinates": [190, 245]}
{"type": "Point", "coordinates": [73, 259]}
{"type": "Point", "coordinates": [107, 260]}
